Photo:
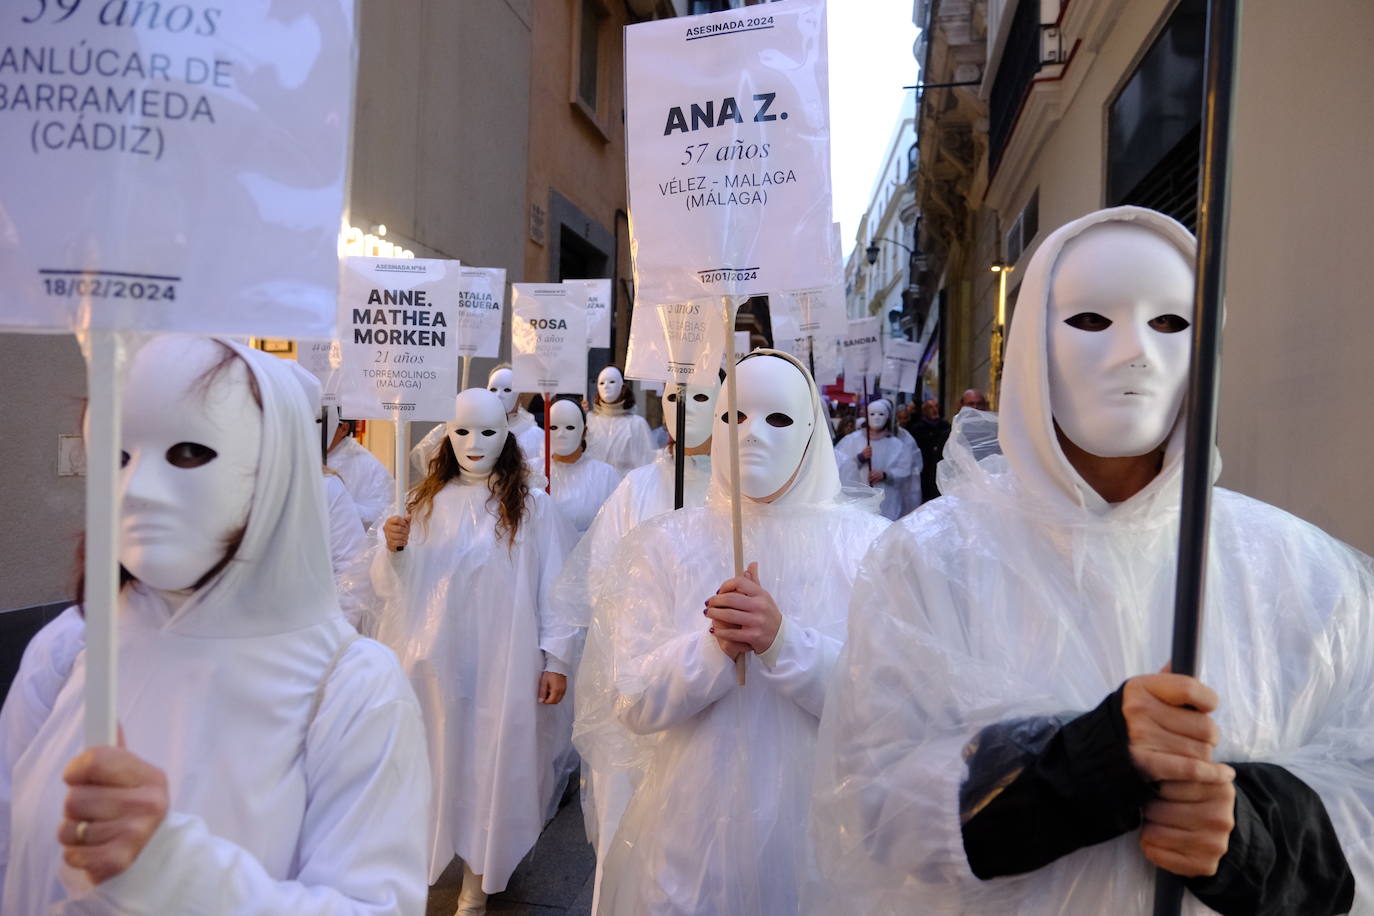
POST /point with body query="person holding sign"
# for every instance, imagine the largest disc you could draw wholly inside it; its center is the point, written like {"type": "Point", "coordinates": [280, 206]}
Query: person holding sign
{"type": "Point", "coordinates": [367, 479]}
{"type": "Point", "coordinates": [645, 493]}
{"type": "Point", "coordinates": [615, 433]}
{"type": "Point", "coordinates": [723, 772]}
{"type": "Point", "coordinates": [466, 577]}
{"type": "Point", "coordinates": [580, 485]}
{"type": "Point", "coordinates": [882, 456]}
{"type": "Point", "coordinates": [269, 759]}
{"type": "Point", "coordinates": [1004, 734]}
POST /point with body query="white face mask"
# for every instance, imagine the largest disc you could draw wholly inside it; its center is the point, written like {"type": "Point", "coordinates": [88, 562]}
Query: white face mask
{"type": "Point", "coordinates": [501, 383]}
{"type": "Point", "coordinates": [609, 383]}
{"type": "Point", "coordinates": [478, 431]}
{"type": "Point", "coordinates": [565, 427]}
{"type": "Point", "coordinates": [1118, 340]}
{"type": "Point", "coordinates": [191, 460]}
{"type": "Point", "coordinates": [775, 426]}
{"type": "Point", "coordinates": [878, 414]}
{"type": "Point", "coordinates": [701, 412]}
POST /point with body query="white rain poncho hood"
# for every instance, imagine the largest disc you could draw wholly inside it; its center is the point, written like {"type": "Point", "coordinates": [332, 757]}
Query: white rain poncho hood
{"type": "Point", "coordinates": [721, 772]}
{"type": "Point", "coordinates": [467, 613]}
{"type": "Point", "coordinates": [220, 694]}
{"type": "Point", "coordinates": [1021, 596]}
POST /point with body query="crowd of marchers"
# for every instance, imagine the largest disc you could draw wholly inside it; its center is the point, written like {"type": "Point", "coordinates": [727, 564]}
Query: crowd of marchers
{"type": "Point", "coordinates": [939, 680]}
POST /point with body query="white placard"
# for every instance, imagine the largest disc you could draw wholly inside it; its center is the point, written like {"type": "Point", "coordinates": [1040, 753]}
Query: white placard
{"type": "Point", "coordinates": [646, 356]}
{"type": "Point", "coordinates": [728, 143]}
{"type": "Point", "coordinates": [818, 312]}
{"type": "Point", "coordinates": [549, 337]}
{"type": "Point", "coordinates": [820, 355]}
{"type": "Point", "coordinates": [901, 365]}
{"type": "Point", "coordinates": [863, 354]}
{"type": "Point", "coordinates": [598, 311]}
{"type": "Point", "coordinates": [694, 341]}
{"type": "Point", "coordinates": [173, 166]}
{"type": "Point", "coordinates": [324, 359]}
{"type": "Point", "coordinates": [481, 296]}
{"type": "Point", "coordinates": [743, 344]}
{"type": "Point", "coordinates": [399, 349]}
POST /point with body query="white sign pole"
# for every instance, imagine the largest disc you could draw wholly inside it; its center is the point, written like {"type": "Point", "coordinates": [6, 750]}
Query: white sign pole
{"type": "Point", "coordinates": [105, 362]}
{"type": "Point", "coordinates": [467, 365]}
{"type": "Point", "coordinates": [402, 455]}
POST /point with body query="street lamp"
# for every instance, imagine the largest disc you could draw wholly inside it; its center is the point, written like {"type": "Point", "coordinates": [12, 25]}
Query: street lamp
{"type": "Point", "coordinates": [871, 252]}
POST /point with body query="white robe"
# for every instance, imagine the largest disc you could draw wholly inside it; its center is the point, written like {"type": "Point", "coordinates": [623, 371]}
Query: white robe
{"type": "Point", "coordinates": [367, 479]}
{"type": "Point", "coordinates": [467, 615]}
{"type": "Point", "coordinates": [619, 438]}
{"type": "Point", "coordinates": [895, 455]}
{"type": "Point", "coordinates": [350, 554]}
{"type": "Point", "coordinates": [579, 489]}
{"type": "Point", "coordinates": [718, 816]}
{"type": "Point", "coordinates": [272, 810]}
{"type": "Point", "coordinates": [1021, 593]}
{"type": "Point", "coordinates": [645, 493]}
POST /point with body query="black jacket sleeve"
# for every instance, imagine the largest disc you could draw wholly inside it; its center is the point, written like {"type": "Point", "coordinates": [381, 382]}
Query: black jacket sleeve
{"type": "Point", "coordinates": [1284, 856]}
{"type": "Point", "coordinates": [1040, 789]}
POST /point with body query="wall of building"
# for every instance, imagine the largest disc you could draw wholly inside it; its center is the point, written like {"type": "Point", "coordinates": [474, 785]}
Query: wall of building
{"type": "Point", "coordinates": [576, 174]}
{"type": "Point", "coordinates": [43, 378]}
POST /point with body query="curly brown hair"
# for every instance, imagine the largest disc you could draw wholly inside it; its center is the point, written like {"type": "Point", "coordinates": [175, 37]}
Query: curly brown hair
{"type": "Point", "coordinates": [508, 485]}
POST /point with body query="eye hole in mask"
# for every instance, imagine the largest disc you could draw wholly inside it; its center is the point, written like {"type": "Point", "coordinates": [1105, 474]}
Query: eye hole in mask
{"type": "Point", "coordinates": [1089, 321]}
{"type": "Point", "coordinates": [460, 431]}
{"type": "Point", "coordinates": [1169, 324]}
{"type": "Point", "coordinates": [672, 398]}
{"type": "Point", "coordinates": [701, 398]}
{"type": "Point", "coordinates": [739, 417]}
{"type": "Point", "coordinates": [488, 432]}
{"type": "Point", "coordinates": [190, 455]}
{"type": "Point", "coordinates": [780, 420]}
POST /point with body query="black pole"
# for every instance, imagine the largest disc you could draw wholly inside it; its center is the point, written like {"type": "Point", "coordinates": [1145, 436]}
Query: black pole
{"type": "Point", "coordinates": [324, 435]}
{"type": "Point", "coordinates": [811, 356]}
{"type": "Point", "coordinates": [680, 448]}
{"type": "Point", "coordinates": [1223, 32]}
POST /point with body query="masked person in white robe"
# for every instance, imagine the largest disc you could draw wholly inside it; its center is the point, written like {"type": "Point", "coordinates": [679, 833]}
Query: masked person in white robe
{"type": "Point", "coordinates": [885, 457]}
{"type": "Point", "coordinates": [615, 433]}
{"type": "Point", "coordinates": [367, 479]}
{"type": "Point", "coordinates": [997, 739]}
{"type": "Point", "coordinates": [579, 484]}
{"type": "Point", "coordinates": [271, 761]}
{"type": "Point", "coordinates": [607, 749]}
{"type": "Point", "coordinates": [523, 426]}
{"type": "Point", "coordinates": [718, 816]}
{"type": "Point", "coordinates": [466, 577]}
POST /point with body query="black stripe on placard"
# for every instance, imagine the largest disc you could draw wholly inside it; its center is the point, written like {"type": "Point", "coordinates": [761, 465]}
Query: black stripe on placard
{"type": "Point", "coordinates": [107, 273]}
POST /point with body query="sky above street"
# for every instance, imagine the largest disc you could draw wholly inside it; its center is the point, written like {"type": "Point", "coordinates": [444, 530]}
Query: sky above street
{"type": "Point", "coordinates": [870, 61]}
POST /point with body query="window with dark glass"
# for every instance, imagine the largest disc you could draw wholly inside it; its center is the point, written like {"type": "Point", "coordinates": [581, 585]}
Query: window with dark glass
{"type": "Point", "coordinates": [589, 59]}
{"type": "Point", "coordinates": [1154, 123]}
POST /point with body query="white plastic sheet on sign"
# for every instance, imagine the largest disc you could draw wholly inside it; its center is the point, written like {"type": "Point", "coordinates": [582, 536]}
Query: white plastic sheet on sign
{"type": "Point", "coordinates": [863, 353]}
{"type": "Point", "coordinates": [549, 337]}
{"type": "Point", "coordinates": [818, 312]}
{"type": "Point", "coordinates": [728, 135]}
{"type": "Point", "coordinates": [694, 337]}
{"type": "Point", "coordinates": [598, 311]}
{"type": "Point", "coordinates": [396, 318]}
{"type": "Point", "coordinates": [193, 179]}
{"type": "Point", "coordinates": [481, 299]}
{"type": "Point", "coordinates": [901, 362]}
{"type": "Point", "coordinates": [324, 359]}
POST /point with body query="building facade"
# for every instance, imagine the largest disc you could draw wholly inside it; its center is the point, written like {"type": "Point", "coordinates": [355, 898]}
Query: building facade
{"type": "Point", "coordinates": [1036, 112]}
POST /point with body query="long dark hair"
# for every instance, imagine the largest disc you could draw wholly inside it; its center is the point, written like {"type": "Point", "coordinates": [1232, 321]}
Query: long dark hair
{"type": "Point", "coordinates": [508, 486]}
{"type": "Point", "coordinates": [234, 540]}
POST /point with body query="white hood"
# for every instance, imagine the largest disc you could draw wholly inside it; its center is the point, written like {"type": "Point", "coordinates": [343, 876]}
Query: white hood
{"type": "Point", "coordinates": [280, 579]}
{"type": "Point", "coordinates": [1026, 423]}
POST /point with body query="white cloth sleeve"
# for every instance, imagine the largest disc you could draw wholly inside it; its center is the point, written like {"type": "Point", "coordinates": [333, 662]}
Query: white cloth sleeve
{"type": "Point", "coordinates": [46, 665]}
{"type": "Point", "coordinates": [359, 851]}
{"type": "Point", "coordinates": [677, 680]}
{"type": "Point", "coordinates": [558, 638]}
{"type": "Point", "coordinates": [799, 663]}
